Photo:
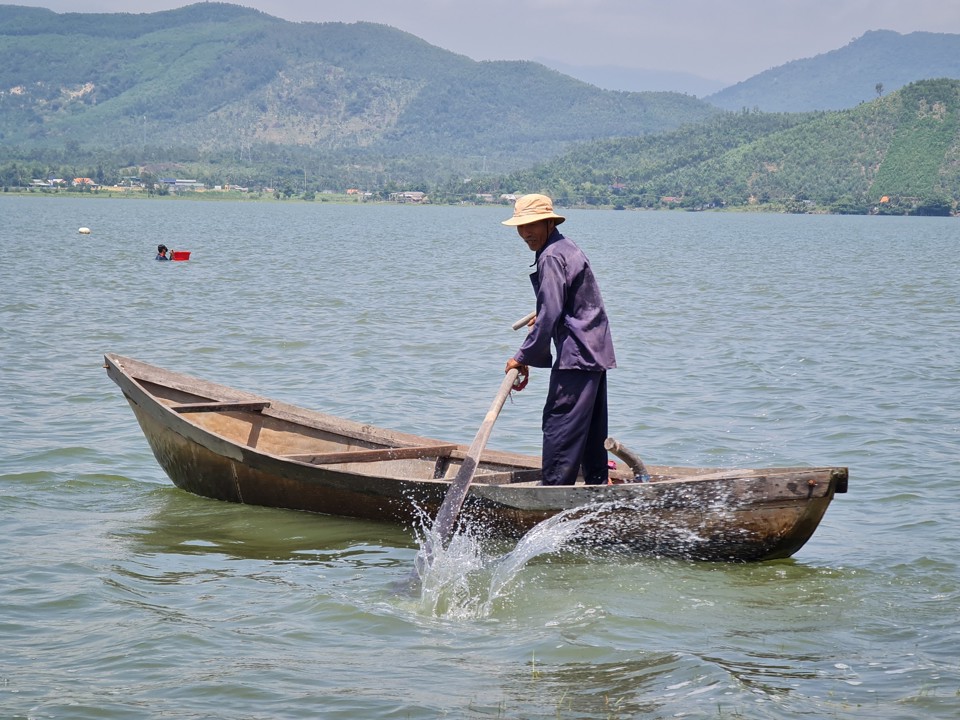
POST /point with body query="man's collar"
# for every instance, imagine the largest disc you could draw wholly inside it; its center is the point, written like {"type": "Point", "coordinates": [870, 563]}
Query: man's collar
{"type": "Point", "coordinates": [554, 236]}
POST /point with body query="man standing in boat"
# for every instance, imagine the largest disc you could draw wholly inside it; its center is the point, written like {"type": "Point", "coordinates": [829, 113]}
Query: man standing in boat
{"type": "Point", "coordinates": [571, 315]}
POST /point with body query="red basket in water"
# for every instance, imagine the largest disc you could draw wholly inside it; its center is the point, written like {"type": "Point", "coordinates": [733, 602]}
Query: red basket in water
{"type": "Point", "coordinates": [181, 254]}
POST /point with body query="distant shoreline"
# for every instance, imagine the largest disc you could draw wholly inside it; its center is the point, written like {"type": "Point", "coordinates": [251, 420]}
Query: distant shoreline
{"type": "Point", "coordinates": [344, 199]}
{"type": "Point", "coordinates": [209, 195]}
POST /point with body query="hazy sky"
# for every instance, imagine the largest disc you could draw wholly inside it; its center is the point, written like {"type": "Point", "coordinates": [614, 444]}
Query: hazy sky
{"type": "Point", "coordinates": [726, 40]}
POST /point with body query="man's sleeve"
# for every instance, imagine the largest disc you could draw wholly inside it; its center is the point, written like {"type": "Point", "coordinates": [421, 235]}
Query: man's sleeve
{"type": "Point", "coordinates": [535, 350]}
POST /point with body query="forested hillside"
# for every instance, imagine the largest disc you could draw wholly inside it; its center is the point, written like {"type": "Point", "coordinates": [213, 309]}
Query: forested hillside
{"type": "Point", "coordinates": [899, 153]}
{"type": "Point", "coordinates": [244, 93]}
{"type": "Point", "coordinates": [879, 62]}
{"type": "Point", "coordinates": [226, 94]}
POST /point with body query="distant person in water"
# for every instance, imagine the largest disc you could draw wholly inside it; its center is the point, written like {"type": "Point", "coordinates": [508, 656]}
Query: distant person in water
{"type": "Point", "coordinates": [570, 315]}
{"type": "Point", "coordinates": [162, 252]}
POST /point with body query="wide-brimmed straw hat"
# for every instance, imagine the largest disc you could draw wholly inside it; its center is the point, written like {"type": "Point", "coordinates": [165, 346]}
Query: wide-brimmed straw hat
{"type": "Point", "coordinates": [531, 208]}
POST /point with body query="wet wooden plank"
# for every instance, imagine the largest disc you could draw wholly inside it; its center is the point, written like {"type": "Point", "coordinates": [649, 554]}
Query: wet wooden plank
{"type": "Point", "coordinates": [399, 453]}
{"type": "Point", "coordinates": [221, 406]}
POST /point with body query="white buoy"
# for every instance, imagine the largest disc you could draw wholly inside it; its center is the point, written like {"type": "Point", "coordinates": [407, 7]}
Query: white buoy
{"type": "Point", "coordinates": [84, 231]}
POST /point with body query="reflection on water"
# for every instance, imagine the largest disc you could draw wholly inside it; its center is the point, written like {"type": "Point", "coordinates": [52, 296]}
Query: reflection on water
{"type": "Point", "coordinates": [181, 523]}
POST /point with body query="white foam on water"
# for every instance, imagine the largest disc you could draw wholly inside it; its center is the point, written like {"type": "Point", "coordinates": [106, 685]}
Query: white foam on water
{"type": "Point", "coordinates": [466, 578]}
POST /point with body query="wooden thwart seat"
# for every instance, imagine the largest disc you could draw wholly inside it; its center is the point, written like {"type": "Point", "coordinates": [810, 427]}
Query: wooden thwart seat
{"type": "Point", "coordinates": [226, 406]}
{"type": "Point", "coordinates": [374, 455]}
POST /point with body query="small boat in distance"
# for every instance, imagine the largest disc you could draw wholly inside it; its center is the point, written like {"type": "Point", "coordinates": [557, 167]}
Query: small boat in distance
{"type": "Point", "coordinates": [227, 444]}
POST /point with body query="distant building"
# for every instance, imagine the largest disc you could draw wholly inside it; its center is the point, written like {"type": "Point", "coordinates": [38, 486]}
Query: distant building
{"type": "Point", "coordinates": [413, 196]}
{"type": "Point", "coordinates": [178, 184]}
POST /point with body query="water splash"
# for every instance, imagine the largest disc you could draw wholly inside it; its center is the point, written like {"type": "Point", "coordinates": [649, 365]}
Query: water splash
{"type": "Point", "coordinates": [452, 578]}
{"type": "Point", "coordinates": [466, 579]}
{"type": "Point", "coordinates": [550, 536]}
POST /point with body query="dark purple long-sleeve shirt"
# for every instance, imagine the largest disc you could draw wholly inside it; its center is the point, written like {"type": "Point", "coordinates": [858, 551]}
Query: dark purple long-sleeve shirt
{"type": "Point", "coordinates": [570, 312]}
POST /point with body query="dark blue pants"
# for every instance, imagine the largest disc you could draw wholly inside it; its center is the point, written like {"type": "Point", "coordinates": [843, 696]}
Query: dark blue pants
{"type": "Point", "coordinates": [574, 427]}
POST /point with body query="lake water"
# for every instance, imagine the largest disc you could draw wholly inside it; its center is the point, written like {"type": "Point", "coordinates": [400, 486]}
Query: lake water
{"type": "Point", "coordinates": [742, 339]}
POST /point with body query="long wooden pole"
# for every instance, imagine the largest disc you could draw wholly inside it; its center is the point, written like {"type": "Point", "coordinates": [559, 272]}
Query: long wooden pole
{"type": "Point", "coordinates": [446, 518]}
{"type": "Point", "coordinates": [524, 321]}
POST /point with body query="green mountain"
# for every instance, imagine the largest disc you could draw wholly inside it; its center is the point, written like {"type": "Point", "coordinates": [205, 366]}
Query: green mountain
{"type": "Point", "coordinates": [224, 93]}
{"type": "Point", "coordinates": [879, 61]}
{"type": "Point", "coordinates": [225, 86]}
{"type": "Point", "coordinates": [904, 147]}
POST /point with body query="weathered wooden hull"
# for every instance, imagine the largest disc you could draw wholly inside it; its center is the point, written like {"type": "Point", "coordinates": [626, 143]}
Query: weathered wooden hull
{"type": "Point", "coordinates": [225, 444]}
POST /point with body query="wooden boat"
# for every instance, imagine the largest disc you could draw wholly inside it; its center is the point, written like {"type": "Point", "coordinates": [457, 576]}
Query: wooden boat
{"type": "Point", "coordinates": [231, 445]}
